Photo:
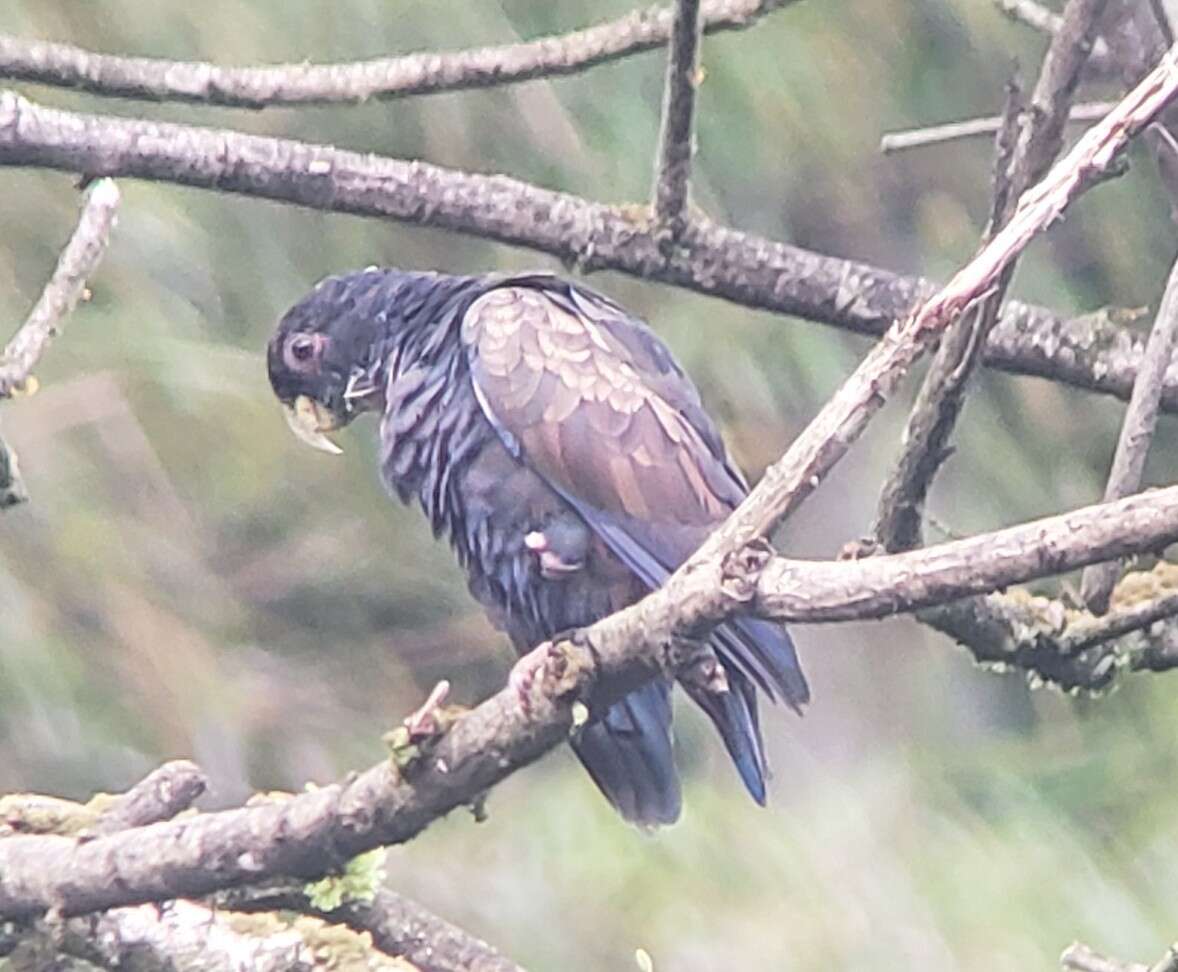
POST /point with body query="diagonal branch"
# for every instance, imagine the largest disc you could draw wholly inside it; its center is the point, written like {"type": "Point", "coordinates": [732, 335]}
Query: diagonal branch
{"type": "Point", "coordinates": [1034, 14]}
{"type": "Point", "coordinates": [676, 142]}
{"type": "Point", "coordinates": [1137, 433]}
{"type": "Point", "coordinates": [942, 395]}
{"type": "Point", "coordinates": [156, 79]}
{"type": "Point", "coordinates": [314, 832]}
{"type": "Point", "coordinates": [78, 261]}
{"type": "Point", "coordinates": [1093, 352]}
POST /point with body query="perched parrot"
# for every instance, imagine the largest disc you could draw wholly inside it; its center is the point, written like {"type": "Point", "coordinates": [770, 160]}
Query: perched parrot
{"type": "Point", "coordinates": [552, 437]}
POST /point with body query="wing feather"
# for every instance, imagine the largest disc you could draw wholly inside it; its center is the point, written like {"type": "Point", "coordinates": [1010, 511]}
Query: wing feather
{"type": "Point", "coordinates": [596, 405]}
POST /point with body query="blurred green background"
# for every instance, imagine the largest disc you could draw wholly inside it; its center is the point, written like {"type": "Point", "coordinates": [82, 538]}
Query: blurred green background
{"type": "Point", "coordinates": [190, 581]}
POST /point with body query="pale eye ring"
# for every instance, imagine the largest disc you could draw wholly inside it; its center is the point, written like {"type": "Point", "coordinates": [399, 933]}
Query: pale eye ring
{"type": "Point", "coordinates": [302, 351]}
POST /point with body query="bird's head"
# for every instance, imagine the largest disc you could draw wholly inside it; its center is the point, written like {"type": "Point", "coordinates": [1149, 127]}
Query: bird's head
{"type": "Point", "coordinates": [326, 359]}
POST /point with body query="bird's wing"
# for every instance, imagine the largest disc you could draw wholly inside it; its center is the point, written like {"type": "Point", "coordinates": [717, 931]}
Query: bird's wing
{"type": "Point", "coordinates": [592, 400]}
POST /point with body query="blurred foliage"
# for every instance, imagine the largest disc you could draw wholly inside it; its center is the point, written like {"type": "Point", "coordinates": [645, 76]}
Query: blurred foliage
{"type": "Point", "coordinates": [189, 581]}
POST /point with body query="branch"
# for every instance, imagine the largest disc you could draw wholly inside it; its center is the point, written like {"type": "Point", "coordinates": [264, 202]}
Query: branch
{"type": "Point", "coordinates": [78, 261]}
{"type": "Point", "coordinates": [1065, 646]}
{"type": "Point", "coordinates": [1137, 433]}
{"type": "Point", "coordinates": [155, 79]}
{"type": "Point", "coordinates": [187, 937]}
{"type": "Point", "coordinates": [1042, 19]}
{"type": "Point", "coordinates": [913, 138]}
{"type": "Point", "coordinates": [397, 925]}
{"type": "Point", "coordinates": [1020, 162]}
{"type": "Point", "coordinates": [1091, 352]}
{"type": "Point", "coordinates": [925, 440]}
{"type": "Point", "coordinates": [1081, 958]}
{"type": "Point", "coordinates": [12, 486]}
{"type": "Point", "coordinates": [313, 833]}
{"type": "Point", "coordinates": [163, 793]}
{"type": "Point", "coordinates": [676, 143]}
{"type": "Point", "coordinates": [877, 587]}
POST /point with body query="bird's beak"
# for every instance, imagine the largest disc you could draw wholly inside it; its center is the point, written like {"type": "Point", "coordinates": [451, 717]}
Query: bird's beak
{"type": "Point", "coordinates": [309, 420]}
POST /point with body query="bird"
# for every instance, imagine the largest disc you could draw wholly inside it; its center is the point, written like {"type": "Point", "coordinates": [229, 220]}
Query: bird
{"type": "Point", "coordinates": [553, 439]}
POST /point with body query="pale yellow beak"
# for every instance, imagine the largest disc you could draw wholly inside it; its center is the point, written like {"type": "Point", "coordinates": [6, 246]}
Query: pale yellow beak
{"type": "Point", "coordinates": [309, 420]}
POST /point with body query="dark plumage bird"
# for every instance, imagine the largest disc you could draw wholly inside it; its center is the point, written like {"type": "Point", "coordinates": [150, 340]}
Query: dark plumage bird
{"type": "Point", "coordinates": [553, 438]}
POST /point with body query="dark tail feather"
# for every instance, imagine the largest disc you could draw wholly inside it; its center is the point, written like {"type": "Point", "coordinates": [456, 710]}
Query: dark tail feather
{"type": "Point", "coordinates": [765, 652]}
{"type": "Point", "coordinates": [734, 714]}
{"type": "Point", "coordinates": [628, 753]}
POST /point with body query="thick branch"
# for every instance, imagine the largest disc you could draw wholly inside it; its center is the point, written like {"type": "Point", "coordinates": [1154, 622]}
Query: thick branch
{"type": "Point", "coordinates": [397, 925]}
{"type": "Point", "coordinates": [676, 141]}
{"type": "Point", "coordinates": [844, 590]}
{"type": "Point", "coordinates": [1081, 958]}
{"type": "Point", "coordinates": [314, 832]}
{"type": "Point", "coordinates": [188, 937]}
{"type": "Point", "coordinates": [78, 261]}
{"type": "Point", "coordinates": [1137, 432]}
{"type": "Point", "coordinates": [155, 79]}
{"type": "Point", "coordinates": [1093, 352]}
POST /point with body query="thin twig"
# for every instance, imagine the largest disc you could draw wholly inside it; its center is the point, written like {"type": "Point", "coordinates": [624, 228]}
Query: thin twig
{"type": "Point", "coordinates": [912, 138]}
{"type": "Point", "coordinates": [1021, 162]}
{"type": "Point", "coordinates": [1116, 623]}
{"type": "Point", "coordinates": [676, 142]}
{"type": "Point", "coordinates": [1093, 352]}
{"type": "Point", "coordinates": [1137, 433]}
{"type": "Point", "coordinates": [156, 79]}
{"type": "Point", "coordinates": [78, 261]}
{"type": "Point", "coordinates": [163, 793]}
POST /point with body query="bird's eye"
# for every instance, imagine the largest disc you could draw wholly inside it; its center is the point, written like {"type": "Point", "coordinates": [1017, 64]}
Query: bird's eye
{"type": "Point", "coordinates": [303, 350]}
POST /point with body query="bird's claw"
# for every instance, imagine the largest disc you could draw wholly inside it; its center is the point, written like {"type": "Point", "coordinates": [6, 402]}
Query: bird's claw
{"type": "Point", "coordinates": [706, 674]}
{"type": "Point", "coordinates": [527, 673]}
{"type": "Point", "coordinates": [551, 671]}
{"type": "Point", "coordinates": [552, 565]}
{"type": "Point", "coordinates": [408, 742]}
{"type": "Point", "coordinates": [424, 722]}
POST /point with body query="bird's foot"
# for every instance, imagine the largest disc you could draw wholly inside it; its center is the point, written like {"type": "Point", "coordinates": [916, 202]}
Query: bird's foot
{"type": "Point", "coordinates": [411, 740]}
{"type": "Point", "coordinates": [706, 674]}
{"type": "Point", "coordinates": [552, 565]}
{"type": "Point", "coordinates": [425, 721]}
{"type": "Point", "coordinates": [551, 671]}
{"type": "Point", "coordinates": [527, 676]}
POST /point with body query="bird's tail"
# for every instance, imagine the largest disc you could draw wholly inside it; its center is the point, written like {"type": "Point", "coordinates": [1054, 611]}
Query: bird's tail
{"type": "Point", "coordinates": [734, 714]}
{"type": "Point", "coordinates": [765, 653]}
{"type": "Point", "coordinates": [627, 751]}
